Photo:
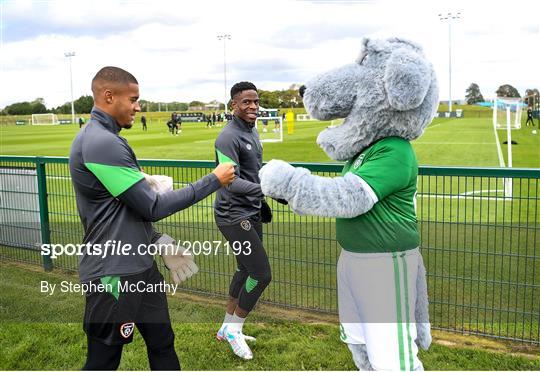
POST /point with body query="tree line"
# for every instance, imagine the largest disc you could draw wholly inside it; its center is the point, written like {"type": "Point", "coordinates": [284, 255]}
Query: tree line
{"type": "Point", "coordinates": [83, 105]}
{"type": "Point", "coordinates": [473, 94]}
{"type": "Point", "coordinates": [287, 98]}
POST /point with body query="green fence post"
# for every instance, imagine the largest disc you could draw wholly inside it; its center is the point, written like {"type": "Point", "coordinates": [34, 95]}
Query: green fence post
{"type": "Point", "coordinates": [43, 210]}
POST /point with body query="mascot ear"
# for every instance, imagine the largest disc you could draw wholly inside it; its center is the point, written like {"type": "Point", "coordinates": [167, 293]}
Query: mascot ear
{"type": "Point", "coordinates": [406, 79]}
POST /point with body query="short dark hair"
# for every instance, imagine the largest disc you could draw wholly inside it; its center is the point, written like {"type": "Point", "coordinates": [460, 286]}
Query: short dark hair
{"type": "Point", "coordinates": [241, 86]}
{"type": "Point", "coordinates": [111, 74]}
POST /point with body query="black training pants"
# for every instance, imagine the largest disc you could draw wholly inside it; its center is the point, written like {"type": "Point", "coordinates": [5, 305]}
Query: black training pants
{"type": "Point", "coordinates": [253, 273]}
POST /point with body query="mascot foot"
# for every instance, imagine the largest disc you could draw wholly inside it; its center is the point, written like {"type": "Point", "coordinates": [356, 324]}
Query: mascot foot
{"type": "Point", "coordinates": [423, 335]}
{"type": "Point", "coordinates": [360, 357]}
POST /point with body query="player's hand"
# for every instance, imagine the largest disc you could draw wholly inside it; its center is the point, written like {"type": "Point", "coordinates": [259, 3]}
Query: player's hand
{"type": "Point", "coordinates": [281, 201]}
{"type": "Point", "coordinates": [182, 266]}
{"type": "Point", "coordinates": [266, 212]}
{"type": "Point", "coordinates": [225, 173]}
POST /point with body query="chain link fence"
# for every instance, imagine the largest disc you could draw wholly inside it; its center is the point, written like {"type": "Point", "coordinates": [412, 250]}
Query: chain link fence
{"type": "Point", "coordinates": [479, 228]}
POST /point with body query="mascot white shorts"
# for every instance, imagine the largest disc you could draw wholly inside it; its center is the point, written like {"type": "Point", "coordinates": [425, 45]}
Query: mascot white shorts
{"type": "Point", "coordinates": [376, 299]}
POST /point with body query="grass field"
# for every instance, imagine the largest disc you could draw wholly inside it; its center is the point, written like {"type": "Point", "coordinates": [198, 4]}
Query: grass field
{"type": "Point", "coordinates": [477, 249]}
{"type": "Point", "coordinates": [283, 342]}
{"type": "Point", "coordinates": [446, 142]}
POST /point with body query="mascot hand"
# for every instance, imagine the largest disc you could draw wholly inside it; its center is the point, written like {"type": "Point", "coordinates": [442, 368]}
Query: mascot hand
{"type": "Point", "coordinates": [275, 178]}
{"type": "Point", "coordinates": [182, 266]}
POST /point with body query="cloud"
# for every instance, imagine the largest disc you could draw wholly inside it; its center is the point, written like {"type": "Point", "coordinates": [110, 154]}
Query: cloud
{"type": "Point", "coordinates": [275, 69]}
{"type": "Point", "coordinates": [172, 48]}
{"type": "Point", "coordinates": [24, 20]}
{"type": "Point", "coordinates": [309, 35]}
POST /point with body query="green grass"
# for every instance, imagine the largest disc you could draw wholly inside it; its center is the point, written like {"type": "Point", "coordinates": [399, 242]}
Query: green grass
{"type": "Point", "coordinates": [446, 142]}
{"type": "Point", "coordinates": [33, 322]}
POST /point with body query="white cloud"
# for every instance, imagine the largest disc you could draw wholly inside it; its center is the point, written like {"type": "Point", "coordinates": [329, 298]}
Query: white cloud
{"type": "Point", "coordinates": [172, 49]}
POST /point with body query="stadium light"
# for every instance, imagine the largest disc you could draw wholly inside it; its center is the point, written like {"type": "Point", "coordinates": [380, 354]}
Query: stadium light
{"type": "Point", "coordinates": [68, 55]}
{"type": "Point", "coordinates": [224, 37]}
{"type": "Point", "coordinates": [449, 17]}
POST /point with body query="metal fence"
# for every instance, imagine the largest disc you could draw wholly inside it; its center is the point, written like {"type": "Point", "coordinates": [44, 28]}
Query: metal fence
{"type": "Point", "coordinates": [479, 238]}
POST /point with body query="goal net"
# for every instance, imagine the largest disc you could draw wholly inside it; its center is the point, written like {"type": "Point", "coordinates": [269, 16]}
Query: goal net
{"type": "Point", "coordinates": [44, 119]}
{"type": "Point", "coordinates": [507, 113]}
{"type": "Point", "coordinates": [270, 129]}
{"type": "Point", "coordinates": [304, 117]}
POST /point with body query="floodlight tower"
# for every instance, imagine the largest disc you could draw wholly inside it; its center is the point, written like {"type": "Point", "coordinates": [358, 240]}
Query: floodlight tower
{"type": "Point", "coordinates": [449, 17]}
{"type": "Point", "coordinates": [224, 37]}
{"type": "Point", "coordinates": [68, 55]}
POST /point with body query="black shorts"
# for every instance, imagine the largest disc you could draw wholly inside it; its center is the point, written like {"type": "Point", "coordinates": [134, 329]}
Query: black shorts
{"type": "Point", "coordinates": [110, 317]}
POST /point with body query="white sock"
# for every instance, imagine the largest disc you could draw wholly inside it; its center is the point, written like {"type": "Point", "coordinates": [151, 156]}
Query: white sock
{"type": "Point", "coordinates": [236, 323]}
{"type": "Point", "coordinates": [227, 319]}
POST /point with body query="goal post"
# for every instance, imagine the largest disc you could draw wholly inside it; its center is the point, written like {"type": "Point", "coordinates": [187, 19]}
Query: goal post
{"type": "Point", "coordinates": [507, 112]}
{"type": "Point", "coordinates": [507, 116]}
{"type": "Point", "coordinates": [270, 128]}
{"type": "Point", "coordinates": [45, 119]}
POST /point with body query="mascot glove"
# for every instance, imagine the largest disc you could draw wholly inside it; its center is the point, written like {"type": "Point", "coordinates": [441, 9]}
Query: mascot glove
{"type": "Point", "coordinates": [160, 184]}
{"type": "Point", "coordinates": [182, 266]}
{"type": "Point", "coordinates": [275, 179]}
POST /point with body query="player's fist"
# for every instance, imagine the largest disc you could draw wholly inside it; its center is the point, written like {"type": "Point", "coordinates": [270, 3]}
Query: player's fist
{"type": "Point", "coordinates": [225, 173]}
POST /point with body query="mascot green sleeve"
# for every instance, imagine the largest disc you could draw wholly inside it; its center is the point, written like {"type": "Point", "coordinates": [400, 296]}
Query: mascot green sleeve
{"type": "Point", "coordinates": [387, 98]}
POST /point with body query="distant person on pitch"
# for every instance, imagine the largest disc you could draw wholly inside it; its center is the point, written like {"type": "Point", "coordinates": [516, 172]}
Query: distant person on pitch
{"type": "Point", "coordinates": [179, 123]}
{"type": "Point", "coordinates": [529, 116]}
{"type": "Point", "coordinates": [143, 121]}
{"type": "Point", "coordinates": [276, 126]}
{"type": "Point", "coordinates": [174, 123]}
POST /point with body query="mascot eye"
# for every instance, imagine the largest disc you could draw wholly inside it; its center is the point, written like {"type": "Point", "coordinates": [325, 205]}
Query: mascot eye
{"type": "Point", "coordinates": [364, 59]}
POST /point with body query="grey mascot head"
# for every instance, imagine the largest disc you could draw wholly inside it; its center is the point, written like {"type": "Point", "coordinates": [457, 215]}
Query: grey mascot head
{"type": "Point", "coordinates": [391, 90]}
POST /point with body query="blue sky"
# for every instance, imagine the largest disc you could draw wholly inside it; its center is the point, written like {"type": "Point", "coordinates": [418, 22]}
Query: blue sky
{"type": "Point", "coordinates": [172, 48]}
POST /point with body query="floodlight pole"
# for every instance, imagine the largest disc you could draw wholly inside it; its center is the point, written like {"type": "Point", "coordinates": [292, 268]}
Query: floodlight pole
{"type": "Point", "coordinates": [224, 37]}
{"type": "Point", "coordinates": [68, 55]}
{"type": "Point", "coordinates": [449, 17]}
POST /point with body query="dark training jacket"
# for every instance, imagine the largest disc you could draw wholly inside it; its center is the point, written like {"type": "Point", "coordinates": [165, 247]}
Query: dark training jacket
{"type": "Point", "coordinates": [239, 144]}
{"type": "Point", "coordinates": [114, 200]}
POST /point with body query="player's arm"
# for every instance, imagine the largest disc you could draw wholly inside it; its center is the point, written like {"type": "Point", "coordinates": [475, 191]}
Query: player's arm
{"type": "Point", "coordinates": [113, 164]}
{"type": "Point", "coordinates": [227, 151]}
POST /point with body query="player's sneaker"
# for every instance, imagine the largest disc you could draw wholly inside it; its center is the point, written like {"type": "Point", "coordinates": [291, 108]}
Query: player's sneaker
{"type": "Point", "coordinates": [265, 130]}
{"type": "Point", "coordinates": [238, 344]}
{"type": "Point", "coordinates": [220, 335]}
